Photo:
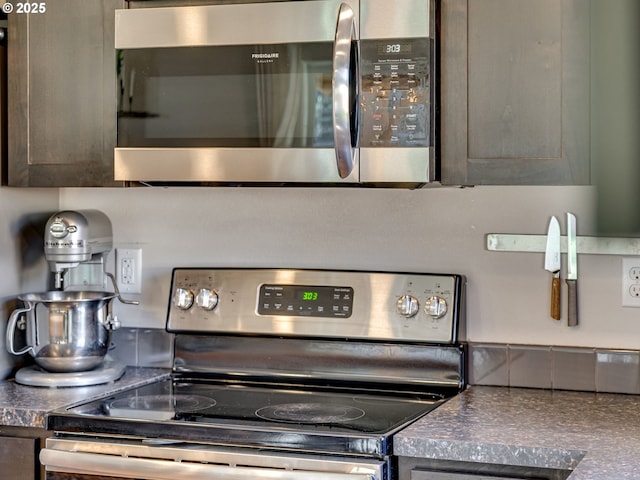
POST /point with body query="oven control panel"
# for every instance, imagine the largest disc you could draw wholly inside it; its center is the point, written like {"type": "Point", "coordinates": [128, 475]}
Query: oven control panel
{"type": "Point", "coordinates": [413, 307]}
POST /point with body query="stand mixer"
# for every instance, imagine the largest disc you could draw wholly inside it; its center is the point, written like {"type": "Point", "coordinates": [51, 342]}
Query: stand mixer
{"type": "Point", "coordinates": [68, 329]}
{"type": "Point", "coordinates": [76, 245]}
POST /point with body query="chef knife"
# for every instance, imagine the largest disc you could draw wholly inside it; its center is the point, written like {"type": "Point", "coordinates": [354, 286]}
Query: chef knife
{"type": "Point", "coordinates": [572, 270]}
{"type": "Point", "coordinates": [552, 264]}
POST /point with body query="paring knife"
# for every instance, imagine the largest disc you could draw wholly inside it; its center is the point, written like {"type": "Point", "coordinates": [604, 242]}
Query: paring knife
{"type": "Point", "coordinates": [572, 270]}
{"type": "Point", "coordinates": [552, 264]}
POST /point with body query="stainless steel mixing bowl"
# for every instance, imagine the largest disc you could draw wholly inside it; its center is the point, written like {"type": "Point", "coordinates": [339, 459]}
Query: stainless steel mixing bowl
{"type": "Point", "coordinates": [65, 331]}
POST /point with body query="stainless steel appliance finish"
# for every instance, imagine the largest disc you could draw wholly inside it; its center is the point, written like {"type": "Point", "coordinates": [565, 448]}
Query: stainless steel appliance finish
{"type": "Point", "coordinates": [128, 459]}
{"type": "Point", "coordinates": [76, 244]}
{"type": "Point", "coordinates": [352, 305]}
{"type": "Point", "coordinates": [66, 331]}
{"type": "Point", "coordinates": [74, 238]}
{"type": "Point", "coordinates": [278, 373]}
{"type": "Point", "coordinates": [324, 92]}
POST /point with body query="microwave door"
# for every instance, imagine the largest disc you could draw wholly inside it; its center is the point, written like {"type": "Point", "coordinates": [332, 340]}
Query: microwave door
{"type": "Point", "coordinates": [242, 104]}
{"type": "Point", "coordinates": [290, 110]}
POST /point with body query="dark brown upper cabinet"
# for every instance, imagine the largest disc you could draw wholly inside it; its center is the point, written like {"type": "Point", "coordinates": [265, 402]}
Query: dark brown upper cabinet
{"type": "Point", "coordinates": [515, 87]}
{"type": "Point", "coordinates": [61, 95]}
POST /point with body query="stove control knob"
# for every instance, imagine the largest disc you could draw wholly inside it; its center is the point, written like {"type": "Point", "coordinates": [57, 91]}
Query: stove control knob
{"type": "Point", "coordinates": [207, 299]}
{"type": "Point", "coordinates": [183, 298]}
{"type": "Point", "coordinates": [407, 306]}
{"type": "Point", "coordinates": [435, 307]}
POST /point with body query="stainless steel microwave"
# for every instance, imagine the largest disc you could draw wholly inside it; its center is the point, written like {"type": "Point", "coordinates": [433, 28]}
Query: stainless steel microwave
{"type": "Point", "coordinates": [337, 92]}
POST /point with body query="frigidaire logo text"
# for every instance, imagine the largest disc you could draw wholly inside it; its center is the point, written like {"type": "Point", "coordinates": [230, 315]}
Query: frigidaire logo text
{"type": "Point", "coordinates": [265, 57]}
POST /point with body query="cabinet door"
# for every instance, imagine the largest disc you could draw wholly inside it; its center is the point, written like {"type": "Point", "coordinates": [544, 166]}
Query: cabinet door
{"type": "Point", "coordinates": [18, 458]}
{"type": "Point", "coordinates": [62, 95]}
{"type": "Point", "coordinates": [515, 92]}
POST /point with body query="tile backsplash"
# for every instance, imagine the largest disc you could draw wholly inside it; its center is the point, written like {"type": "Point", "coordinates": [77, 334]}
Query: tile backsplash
{"type": "Point", "coordinates": [532, 366]}
{"type": "Point", "coordinates": [555, 367]}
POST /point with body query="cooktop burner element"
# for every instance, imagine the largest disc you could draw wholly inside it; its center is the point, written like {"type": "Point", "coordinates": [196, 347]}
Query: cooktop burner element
{"type": "Point", "coordinates": [171, 404]}
{"type": "Point", "coordinates": [310, 413]}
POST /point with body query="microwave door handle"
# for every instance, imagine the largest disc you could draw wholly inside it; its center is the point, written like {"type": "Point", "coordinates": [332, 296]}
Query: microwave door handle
{"type": "Point", "coordinates": [341, 89]}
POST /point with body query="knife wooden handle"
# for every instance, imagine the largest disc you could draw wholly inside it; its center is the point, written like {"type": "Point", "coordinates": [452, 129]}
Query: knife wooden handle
{"type": "Point", "coordinates": [572, 286]}
{"type": "Point", "coordinates": [555, 298]}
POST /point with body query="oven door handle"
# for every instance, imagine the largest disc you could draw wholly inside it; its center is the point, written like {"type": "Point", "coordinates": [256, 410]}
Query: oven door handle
{"type": "Point", "coordinates": [170, 469]}
{"type": "Point", "coordinates": [342, 92]}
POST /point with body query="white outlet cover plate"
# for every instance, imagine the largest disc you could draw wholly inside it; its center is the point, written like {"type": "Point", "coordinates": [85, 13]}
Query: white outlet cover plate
{"type": "Point", "coordinates": [629, 283]}
{"type": "Point", "coordinates": [131, 280]}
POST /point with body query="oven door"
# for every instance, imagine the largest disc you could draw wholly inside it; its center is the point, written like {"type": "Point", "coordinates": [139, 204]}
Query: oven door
{"type": "Point", "coordinates": [260, 92]}
{"type": "Point", "coordinates": [81, 458]}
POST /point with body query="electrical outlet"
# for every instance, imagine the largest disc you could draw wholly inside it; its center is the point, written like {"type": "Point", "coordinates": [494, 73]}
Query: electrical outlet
{"type": "Point", "coordinates": [631, 281]}
{"type": "Point", "coordinates": [129, 270]}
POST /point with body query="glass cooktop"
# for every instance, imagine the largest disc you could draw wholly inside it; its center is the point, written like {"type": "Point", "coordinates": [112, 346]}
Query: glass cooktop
{"type": "Point", "coordinates": [283, 406]}
{"type": "Point", "coordinates": [273, 415]}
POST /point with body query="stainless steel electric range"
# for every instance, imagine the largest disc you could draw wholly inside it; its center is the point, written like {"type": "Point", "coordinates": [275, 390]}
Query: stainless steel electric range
{"type": "Point", "coordinates": [279, 374]}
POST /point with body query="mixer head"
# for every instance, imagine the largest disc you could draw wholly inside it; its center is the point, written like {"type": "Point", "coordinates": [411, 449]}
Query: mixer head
{"type": "Point", "coordinates": [73, 237]}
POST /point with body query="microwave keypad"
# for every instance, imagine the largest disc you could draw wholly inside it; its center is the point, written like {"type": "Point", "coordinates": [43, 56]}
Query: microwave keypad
{"type": "Point", "coordinates": [395, 93]}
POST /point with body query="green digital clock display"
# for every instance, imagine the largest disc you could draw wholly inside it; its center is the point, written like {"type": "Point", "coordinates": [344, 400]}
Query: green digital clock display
{"type": "Point", "coordinates": [305, 300]}
{"type": "Point", "coordinates": [309, 296]}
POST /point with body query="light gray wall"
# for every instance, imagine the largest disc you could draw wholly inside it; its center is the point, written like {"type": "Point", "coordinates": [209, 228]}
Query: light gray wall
{"type": "Point", "coordinates": [428, 230]}
{"type": "Point", "coordinates": [22, 213]}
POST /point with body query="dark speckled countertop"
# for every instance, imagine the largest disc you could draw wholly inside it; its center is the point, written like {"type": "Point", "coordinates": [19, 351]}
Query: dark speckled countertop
{"type": "Point", "coordinates": [594, 434]}
{"type": "Point", "coordinates": [24, 406]}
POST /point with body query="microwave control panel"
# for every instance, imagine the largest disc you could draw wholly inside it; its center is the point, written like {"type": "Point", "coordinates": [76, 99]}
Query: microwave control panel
{"type": "Point", "coordinates": [396, 95]}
